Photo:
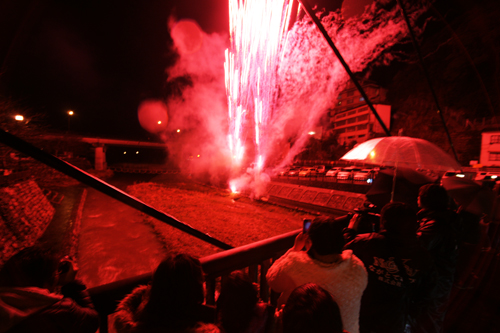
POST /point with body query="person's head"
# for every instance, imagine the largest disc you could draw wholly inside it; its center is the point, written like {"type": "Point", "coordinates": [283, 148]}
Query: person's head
{"type": "Point", "coordinates": [398, 218]}
{"type": "Point", "coordinates": [433, 196]}
{"type": "Point", "coordinates": [326, 236]}
{"type": "Point", "coordinates": [30, 267]}
{"type": "Point", "coordinates": [236, 302]}
{"type": "Point", "coordinates": [176, 289]}
{"type": "Point", "coordinates": [311, 308]}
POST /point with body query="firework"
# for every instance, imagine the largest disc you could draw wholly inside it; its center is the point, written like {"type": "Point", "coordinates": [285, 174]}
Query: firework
{"type": "Point", "coordinates": [281, 78]}
{"type": "Point", "coordinates": [258, 32]}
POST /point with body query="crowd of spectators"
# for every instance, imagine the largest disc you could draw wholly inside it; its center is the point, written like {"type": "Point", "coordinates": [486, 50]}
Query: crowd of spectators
{"type": "Point", "coordinates": [339, 276]}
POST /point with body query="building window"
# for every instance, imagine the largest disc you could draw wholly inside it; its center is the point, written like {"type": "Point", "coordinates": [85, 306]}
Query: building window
{"type": "Point", "coordinates": [350, 93]}
{"type": "Point", "coordinates": [350, 101]}
{"type": "Point", "coordinates": [363, 109]}
{"type": "Point", "coordinates": [361, 136]}
{"type": "Point", "coordinates": [339, 96]}
{"type": "Point", "coordinates": [363, 117]}
{"type": "Point", "coordinates": [351, 120]}
{"type": "Point", "coordinates": [350, 137]}
{"type": "Point", "coordinates": [361, 99]}
{"type": "Point", "coordinates": [494, 139]}
{"type": "Point", "coordinates": [350, 113]}
{"type": "Point", "coordinates": [351, 129]}
{"type": "Point", "coordinates": [341, 115]}
{"type": "Point", "coordinates": [341, 130]}
{"type": "Point", "coordinates": [340, 123]}
{"type": "Point", "coordinates": [339, 103]}
{"type": "Point", "coordinates": [494, 156]}
{"type": "Point", "coordinates": [362, 127]}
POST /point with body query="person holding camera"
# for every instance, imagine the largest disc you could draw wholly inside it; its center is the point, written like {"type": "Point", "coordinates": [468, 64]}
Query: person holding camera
{"type": "Point", "coordinates": [400, 270]}
{"type": "Point", "coordinates": [318, 257]}
{"type": "Point", "coordinates": [39, 293]}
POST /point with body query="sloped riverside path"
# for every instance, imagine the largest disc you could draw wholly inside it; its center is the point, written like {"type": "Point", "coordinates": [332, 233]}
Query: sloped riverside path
{"type": "Point", "coordinates": [114, 242]}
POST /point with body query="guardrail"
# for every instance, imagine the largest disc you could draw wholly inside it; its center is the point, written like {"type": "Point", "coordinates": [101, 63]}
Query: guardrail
{"type": "Point", "coordinates": [255, 257]}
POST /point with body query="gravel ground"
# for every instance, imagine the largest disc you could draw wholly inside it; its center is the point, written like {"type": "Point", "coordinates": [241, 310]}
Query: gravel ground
{"type": "Point", "coordinates": [233, 219]}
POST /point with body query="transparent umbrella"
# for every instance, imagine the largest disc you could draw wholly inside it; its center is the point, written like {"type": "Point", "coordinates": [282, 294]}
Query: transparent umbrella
{"type": "Point", "coordinates": [402, 151]}
{"type": "Point", "coordinates": [473, 197]}
{"type": "Point", "coordinates": [401, 184]}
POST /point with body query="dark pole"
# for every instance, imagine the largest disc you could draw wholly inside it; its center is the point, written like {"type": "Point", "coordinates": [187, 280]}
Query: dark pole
{"type": "Point", "coordinates": [94, 182]}
{"type": "Point", "coordinates": [421, 60]}
{"type": "Point", "coordinates": [316, 21]}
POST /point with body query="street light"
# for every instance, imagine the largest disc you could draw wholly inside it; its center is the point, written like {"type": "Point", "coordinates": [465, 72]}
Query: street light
{"type": "Point", "coordinates": [18, 117]}
{"type": "Point", "coordinates": [70, 114]}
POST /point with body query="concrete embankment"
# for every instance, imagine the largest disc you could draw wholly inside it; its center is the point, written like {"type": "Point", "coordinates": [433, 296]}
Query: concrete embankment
{"type": "Point", "coordinates": [314, 199]}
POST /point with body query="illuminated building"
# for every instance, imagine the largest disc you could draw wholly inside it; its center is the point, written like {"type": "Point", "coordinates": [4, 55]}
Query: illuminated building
{"type": "Point", "coordinates": [490, 149]}
{"type": "Point", "coordinates": [351, 118]}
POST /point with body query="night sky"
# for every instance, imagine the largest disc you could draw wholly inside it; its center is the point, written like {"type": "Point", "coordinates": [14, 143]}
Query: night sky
{"type": "Point", "coordinates": [98, 58]}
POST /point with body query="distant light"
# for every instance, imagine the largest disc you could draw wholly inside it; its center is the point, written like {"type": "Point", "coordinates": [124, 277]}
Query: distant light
{"type": "Point", "coordinates": [198, 156]}
{"type": "Point", "coordinates": [369, 180]}
{"type": "Point", "coordinates": [178, 130]}
{"type": "Point", "coordinates": [70, 113]}
{"type": "Point", "coordinates": [137, 152]}
{"type": "Point", "coordinates": [124, 153]}
{"type": "Point", "coordinates": [494, 177]}
{"type": "Point", "coordinates": [311, 133]}
{"type": "Point", "coordinates": [159, 122]}
{"type": "Point", "coordinates": [18, 117]}
{"type": "Point", "coordinates": [460, 175]}
{"type": "Point", "coordinates": [372, 153]}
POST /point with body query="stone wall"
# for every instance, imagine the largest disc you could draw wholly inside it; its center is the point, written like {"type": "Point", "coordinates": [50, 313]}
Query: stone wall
{"type": "Point", "coordinates": [319, 197]}
{"type": "Point", "coordinates": [25, 213]}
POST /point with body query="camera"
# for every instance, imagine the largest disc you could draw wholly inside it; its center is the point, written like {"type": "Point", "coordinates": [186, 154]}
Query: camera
{"type": "Point", "coordinates": [369, 219]}
{"type": "Point", "coordinates": [64, 265]}
{"type": "Point", "coordinates": [306, 225]}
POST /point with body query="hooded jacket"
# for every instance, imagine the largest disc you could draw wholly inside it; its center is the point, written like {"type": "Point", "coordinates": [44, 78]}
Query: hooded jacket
{"type": "Point", "coordinates": [438, 234]}
{"type": "Point", "coordinates": [126, 319]}
{"type": "Point", "coordinates": [391, 292]}
{"type": "Point", "coordinates": [32, 309]}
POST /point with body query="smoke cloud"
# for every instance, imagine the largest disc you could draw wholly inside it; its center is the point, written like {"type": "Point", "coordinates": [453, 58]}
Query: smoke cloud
{"type": "Point", "coordinates": [200, 112]}
{"type": "Point", "coordinates": [310, 78]}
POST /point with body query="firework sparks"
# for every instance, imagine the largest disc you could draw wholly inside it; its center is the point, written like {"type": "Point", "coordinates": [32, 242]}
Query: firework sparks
{"type": "Point", "coordinates": [257, 31]}
{"type": "Point", "coordinates": [279, 82]}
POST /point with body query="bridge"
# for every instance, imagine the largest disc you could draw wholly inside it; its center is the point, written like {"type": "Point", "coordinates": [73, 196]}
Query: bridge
{"type": "Point", "coordinates": [100, 145]}
{"type": "Point", "coordinates": [100, 148]}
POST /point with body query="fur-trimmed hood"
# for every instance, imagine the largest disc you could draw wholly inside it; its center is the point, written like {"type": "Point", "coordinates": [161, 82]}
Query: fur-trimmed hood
{"type": "Point", "coordinates": [128, 310]}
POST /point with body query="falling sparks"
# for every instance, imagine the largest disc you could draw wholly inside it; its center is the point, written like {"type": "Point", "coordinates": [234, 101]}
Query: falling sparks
{"type": "Point", "coordinates": [279, 81]}
{"type": "Point", "coordinates": [258, 31]}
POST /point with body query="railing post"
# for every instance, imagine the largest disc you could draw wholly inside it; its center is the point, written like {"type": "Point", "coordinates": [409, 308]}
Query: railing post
{"type": "Point", "coordinates": [210, 291]}
{"type": "Point", "coordinates": [103, 323]}
{"type": "Point", "coordinates": [253, 273]}
{"type": "Point", "coordinates": [264, 287]}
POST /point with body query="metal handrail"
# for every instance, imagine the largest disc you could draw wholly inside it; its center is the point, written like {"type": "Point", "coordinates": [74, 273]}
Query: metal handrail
{"type": "Point", "coordinates": [256, 257]}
